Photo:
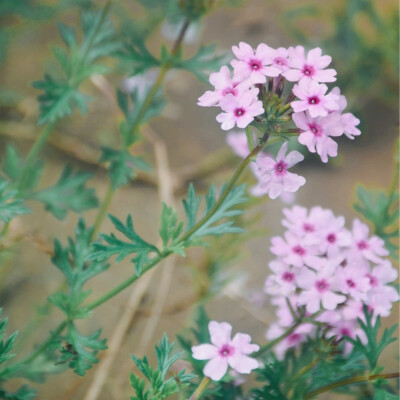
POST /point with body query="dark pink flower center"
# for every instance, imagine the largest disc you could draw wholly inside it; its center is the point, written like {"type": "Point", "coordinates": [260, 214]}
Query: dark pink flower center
{"type": "Point", "coordinates": [239, 112]}
{"type": "Point", "coordinates": [280, 61]}
{"type": "Point", "coordinates": [372, 280]}
{"type": "Point", "coordinates": [313, 100]}
{"type": "Point", "coordinates": [343, 263]}
{"type": "Point", "coordinates": [331, 238]}
{"type": "Point", "coordinates": [308, 228]}
{"type": "Point", "coordinates": [288, 277]}
{"type": "Point", "coordinates": [226, 350]}
{"type": "Point", "coordinates": [350, 283]}
{"type": "Point", "coordinates": [308, 70]}
{"type": "Point", "coordinates": [362, 245]}
{"type": "Point", "coordinates": [229, 90]}
{"type": "Point", "coordinates": [255, 65]}
{"type": "Point", "coordinates": [294, 338]}
{"type": "Point", "coordinates": [322, 285]}
{"type": "Point", "coordinates": [345, 332]}
{"type": "Point", "coordinates": [299, 250]}
{"type": "Point", "coordinates": [280, 168]}
{"type": "Point", "coordinates": [315, 129]}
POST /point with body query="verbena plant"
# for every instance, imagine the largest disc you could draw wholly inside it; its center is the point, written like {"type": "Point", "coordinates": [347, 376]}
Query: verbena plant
{"type": "Point", "coordinates": [330, 285]}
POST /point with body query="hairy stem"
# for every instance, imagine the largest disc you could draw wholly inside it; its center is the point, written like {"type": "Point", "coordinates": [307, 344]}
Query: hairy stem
{"type": "Point", "coordinates": [8, 372]}
{"type": "Point", "coordinates": [33, 153]}
{"type": "Point", "coordinates": [102, 210]}
{"type": "Point", "coordinates": [355, 379]}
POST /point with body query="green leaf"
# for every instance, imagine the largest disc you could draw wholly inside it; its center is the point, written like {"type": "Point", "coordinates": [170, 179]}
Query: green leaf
{"type": "Point", "coordinates": [382, 211]}
{"type": "Point", "coordinates": [114, 246]}
{"type": "Point", "coordinates": [13, 165]}
{"type": "Point", "coordinates": [170, 230]}
{"type": "Point", "coordinates": [23, 393]}
{"type": "Point", "coordinates": [136, 58]}
{"type": "Point", "coordinates": [158, 387]}
{"type": "Point", "coordinates": [78, 63]}
{"type": "Point", "coordinates": [6, 345]}
{"type": "Point", "coordinates": [202, 63]}
{"type": "Point", "coordinates": [80, 351]}
{"type": "Point", "coordinates": [382, 394]}
{"type": "Point", "coordinates": [73, 261]}
{"type": "Point", "coordinates": [374, 347]}
{"type": "Point", "coordinates": [138, 112]}
{"type": "Point", "coordinates": [10, 205]}
{"type": "Point", "coordinates": [122, 166]}
{"type": "Point", "coordinates": [68, 194]}
{"type": "Point", "coordinates": [215, 225]}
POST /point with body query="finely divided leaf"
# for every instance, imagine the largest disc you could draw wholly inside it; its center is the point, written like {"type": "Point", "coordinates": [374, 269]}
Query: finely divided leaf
{"type": "Point", "coordinates": [214, 225]}
{"type": "Point", "coordinates": [10, 205]}
{"type": "Point", "coordinates": [122, 165]}
{"type": "Point", "coordinates": [78, 63]}
{"type": "Point", "coordinates": [115, 246]}
{"type": "Point", "coordinates": [158, 387]}
{"type": "Point", "coordinates": [80, 351]}
{"type": "Point", "coordinates": [68, 194]}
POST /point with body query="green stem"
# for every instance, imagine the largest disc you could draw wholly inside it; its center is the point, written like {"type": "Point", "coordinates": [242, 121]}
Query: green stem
{"type": "Point", "coordinates": [249, 136]}
{"type": "Point", "coordinates": [186, 236]}
{"type": "Point", "coordinates": [228, 188]}
{"type": "Point", "coordinates": [102, 210]}
{"type": "Point", "coordinates": [355, 379]}
{"type": "Point", "coordinates": [200, 389]}
{"type": "Point", "coordinates": [33, 153]}
{"type": "Point", "coordinates": [6, 373]}
{"type": "Point", "coordinates": [163, 71]}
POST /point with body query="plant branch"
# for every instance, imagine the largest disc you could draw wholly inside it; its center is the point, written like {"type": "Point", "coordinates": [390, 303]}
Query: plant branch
{"type": "Point", "coordinates": [200, 389]}
{"type": "Point", "coordinates": [355, 379]}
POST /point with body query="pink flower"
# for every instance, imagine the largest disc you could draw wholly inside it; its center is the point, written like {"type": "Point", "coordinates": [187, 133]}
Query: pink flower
{"type": "Point", "coordinates": [238, 142]}
{"type": "Point", "coordinates": [293, 340]}
{"type": "Point", "coordinates": [362, 246]}
{"type": "Point", "coordinates": [318, 289]}
{"type": "Point", "coordinates": [239, 111]}
{"type": "Point", "coordinates": [313, 99]}
{"type": "Point", "coordinates": [311, 67]}
{"type": "Point", "coordinates": [302, 222]}
{"type": "Point", "coordinates": [224, 351]}
{"type": "Point", "coordinates": [223, 85]}
{"type": "Point", "coordinates": [315, 133]}
{"type": "Point", "coordinates": [273, 176]}
{"type": "Point", "coordinates": [279, 58]}
{"type": "Point", "coordinates": [283, 281]}
{"type": "Point", "coordinates": [296, 251]}
{"type": "Point", "coordinates": [350, 281]}
{"type": "Point", "coordinates": [253, 66]}
{"type": "Point", "coordinates": [349, 121]}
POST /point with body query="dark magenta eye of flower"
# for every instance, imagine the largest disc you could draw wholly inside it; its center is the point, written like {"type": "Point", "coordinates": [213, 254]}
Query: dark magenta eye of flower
{"type": "Point", "coordinates": [280, 168]}
{"type": "Point", "coordinates": [288, 277]}
{"type": "Point", "coordinates": [315, 129]}
{"type": "Point", "coordinates": [308, 70]}
{"type": "Point", "coordinates": [226, 350]}
{"type": "Point", "coordinates": [362, 245]}
{"type": "Point", "coordinates": [239, 112]}
{"type": "Point", "coordinates": [350, 283]}
{"type": "Point", "coordinates": [255, 64]}
{"type": "Point", "coordinates": [331, 238]}
{"type": "Point", "coordinates": [280, 61]}
{"type": "Point", "coordinates": [294, 338]}
{"type": "Point", "coordinates": [313, 100]}
{"type": "Point", "coordinates": [372, 280]}
{"type": "Point", "coordinates": [299, 250]}
{"type": "Point", "coordinates": [345, 332]}
{"type": "Point", "coordinates": [322, 285]}
{"type": "Point", "coordinates": [229, 91]}
{"type": "Point", "coordinates": [308, 228]}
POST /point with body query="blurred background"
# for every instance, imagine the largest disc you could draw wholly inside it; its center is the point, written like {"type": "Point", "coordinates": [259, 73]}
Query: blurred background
{"type": "Point", "coordinates": [362, 38]}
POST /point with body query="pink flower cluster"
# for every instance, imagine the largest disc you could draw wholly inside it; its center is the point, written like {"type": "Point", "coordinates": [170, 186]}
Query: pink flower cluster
{"type": "Point", "coordinates": [272, 174]}
{"type": "Point", "coordinates": [330, 271]}
{"type": "Point", "coordinates": [224, 351]}
{"type": "Point", "coordinates": [317, 113]}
